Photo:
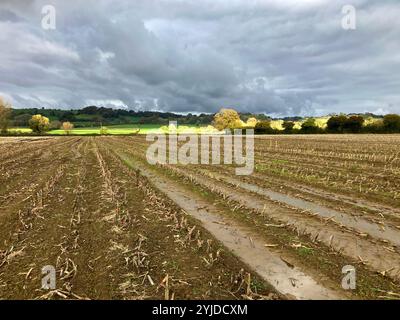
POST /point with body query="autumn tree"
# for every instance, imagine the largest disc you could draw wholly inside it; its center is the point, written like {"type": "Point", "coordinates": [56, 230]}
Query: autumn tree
{"type": "Point", "coordinates": [5, 111]}
{"type": "Point", "coordinates": [251, 122]}
{"type": "Point", "coordinates": [227, 119]}
{"type": "Point", "coordinates": [67, 127]}
{"type": "Point", "coordinates": [39, 123]}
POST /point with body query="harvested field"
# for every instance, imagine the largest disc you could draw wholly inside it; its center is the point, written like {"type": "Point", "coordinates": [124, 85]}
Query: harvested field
{"type": "Point", "coordinates": [70, 203]}
{"type": "Point", "coordinates": [115, 227]}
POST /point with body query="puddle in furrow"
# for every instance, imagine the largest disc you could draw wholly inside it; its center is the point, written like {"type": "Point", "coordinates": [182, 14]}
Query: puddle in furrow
{"type": "Point", "coordinates": [359, 224]}
{"type": "Point", "coordinates": [350, 244]}
{"type": "Point", "coordinates": [289, 281]}
{"type": "Point", "coordinates": [362, 204]}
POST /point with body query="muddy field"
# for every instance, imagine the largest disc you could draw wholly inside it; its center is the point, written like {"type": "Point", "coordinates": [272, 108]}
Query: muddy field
{"type": "Point", "coordinates": [115, 227]}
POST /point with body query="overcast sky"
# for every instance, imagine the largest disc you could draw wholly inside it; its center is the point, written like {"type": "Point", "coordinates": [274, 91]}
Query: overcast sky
{"type": "Point", "coordinates": [280, 57]}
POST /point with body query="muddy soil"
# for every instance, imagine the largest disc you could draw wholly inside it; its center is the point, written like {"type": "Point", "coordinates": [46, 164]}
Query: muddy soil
{"type": "Point", "coordinates": [107, 232]}
{"type": "Point", "coordinates": [340, 235]}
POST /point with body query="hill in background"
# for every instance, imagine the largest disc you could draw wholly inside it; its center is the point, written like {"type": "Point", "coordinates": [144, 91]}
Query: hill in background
{"type": "Point", "coordinates": [93, 116]}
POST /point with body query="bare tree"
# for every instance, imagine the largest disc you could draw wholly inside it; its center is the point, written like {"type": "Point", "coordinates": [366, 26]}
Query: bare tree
{"type": "Point", "coordinates": [5, 112]}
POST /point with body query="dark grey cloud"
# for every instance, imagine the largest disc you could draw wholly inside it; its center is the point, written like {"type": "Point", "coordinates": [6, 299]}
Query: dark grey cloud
{"type": "Point", "coordinates": [282, 57]}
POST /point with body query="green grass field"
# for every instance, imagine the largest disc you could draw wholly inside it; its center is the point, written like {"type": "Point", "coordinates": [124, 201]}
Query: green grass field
{"type": "Point", "coordinates": [113, 130]}
{"type": "Point", "coordinates": [20, 130]}
{"type": "Point", "coordinates": [124, 130]}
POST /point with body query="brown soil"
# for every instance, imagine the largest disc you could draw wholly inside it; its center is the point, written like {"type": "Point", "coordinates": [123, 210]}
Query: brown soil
{"type": "Point", "coordinates": [318, 245]}
{"type": "Point", "coordinates": [107, 231]}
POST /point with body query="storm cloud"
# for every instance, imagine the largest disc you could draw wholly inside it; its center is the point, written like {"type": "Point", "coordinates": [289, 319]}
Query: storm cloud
{"type": "Point", "coordinates": [276, 57]}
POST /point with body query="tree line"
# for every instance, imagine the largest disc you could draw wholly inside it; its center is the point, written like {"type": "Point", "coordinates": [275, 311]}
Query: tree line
{"type": "Point", "coordinates": [39, 120]}
{"type": "Point", "coordinates": [230, 119]}
{"type": "Point", "coordinates": [93, 116]}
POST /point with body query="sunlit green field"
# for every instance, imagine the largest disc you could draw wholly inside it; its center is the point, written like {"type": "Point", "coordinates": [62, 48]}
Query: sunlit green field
{"type": "Point", "coordinates": [20, 130]}
{"type": "Point", "coordinates": [113, 130]}
{"type": "Point", "coordinates": [124, 130]}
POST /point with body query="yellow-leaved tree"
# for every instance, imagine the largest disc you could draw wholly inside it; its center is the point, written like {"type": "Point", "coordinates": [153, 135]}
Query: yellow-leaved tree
{"type": "Point", "coordinates": [251, 122]}
{"type": "Point", "coordinates": [227, 119]}
{"type": "Point", "coordinates": [39, 123]}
